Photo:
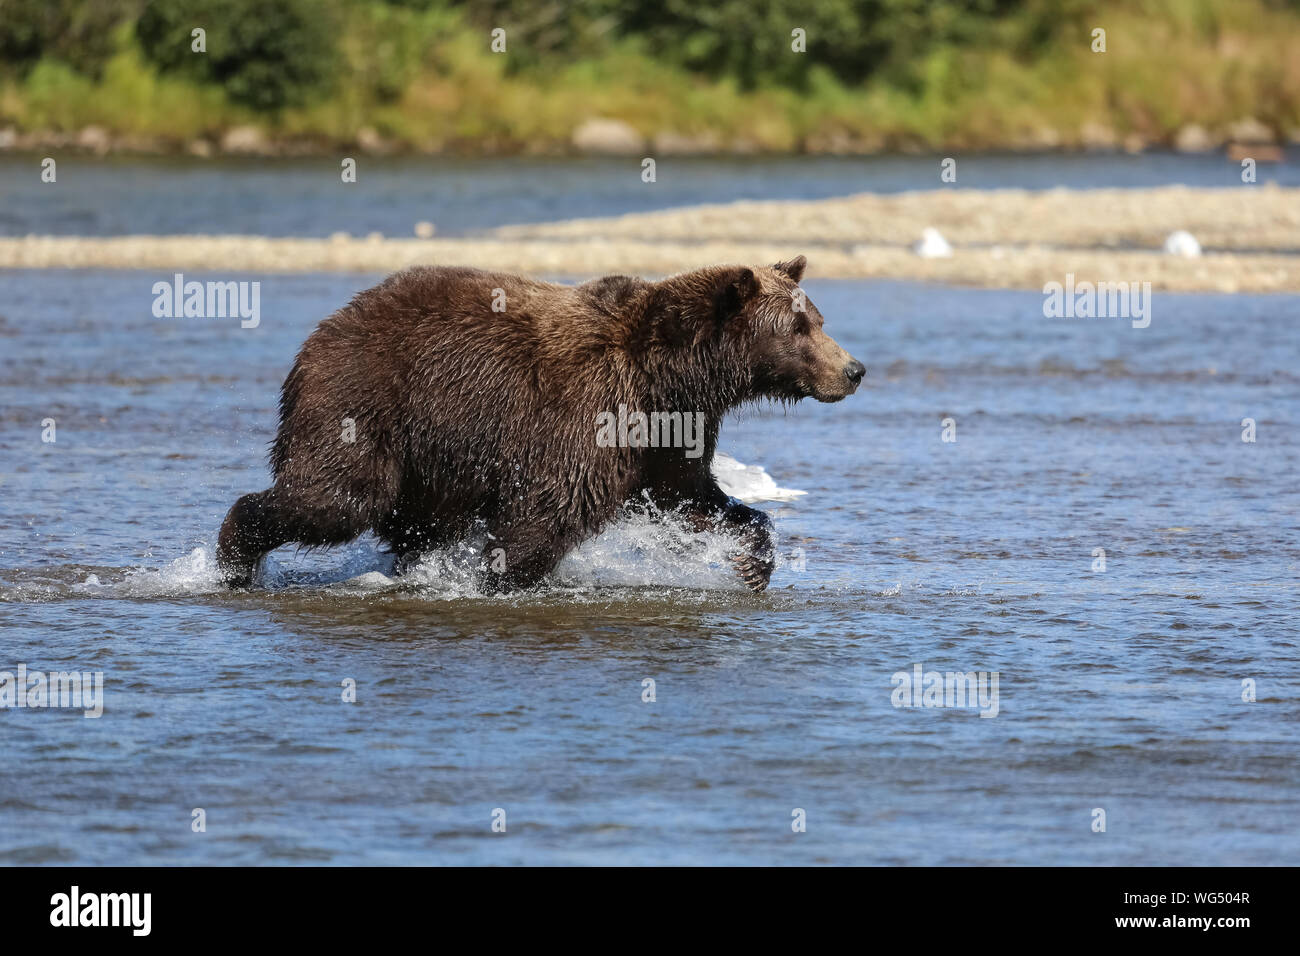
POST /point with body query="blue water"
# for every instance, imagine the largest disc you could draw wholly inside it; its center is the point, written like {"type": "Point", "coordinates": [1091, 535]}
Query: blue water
{"type": "Point", "coordinates": [306, 197]}
{"type": "Point", "coordinates": [1119, 690]}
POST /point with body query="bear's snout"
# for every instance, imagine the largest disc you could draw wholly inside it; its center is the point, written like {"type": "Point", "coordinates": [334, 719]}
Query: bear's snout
{"type": "Point", "coordinates": [835, 374]}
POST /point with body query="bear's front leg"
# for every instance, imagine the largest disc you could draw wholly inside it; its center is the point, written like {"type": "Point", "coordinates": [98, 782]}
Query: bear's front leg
{"type": "Point", "coordinates": [756, 560]}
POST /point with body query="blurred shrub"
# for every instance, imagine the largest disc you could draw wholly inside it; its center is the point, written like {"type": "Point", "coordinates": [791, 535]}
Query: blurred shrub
{"type": "Point", "coordinates": [388, 43]}
{"type": "Point", "coordinates": [265, 54]}
{"type": "Point", "coordinates": [750, 40]}
{"type": "Point", "coordinates": [78, 32]}
{"type": "Point", "coordinates": [546, 32]}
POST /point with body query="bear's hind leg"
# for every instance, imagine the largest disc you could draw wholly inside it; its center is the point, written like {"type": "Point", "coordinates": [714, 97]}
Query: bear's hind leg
{"type": "Point", "coordinates": [253, 526]}
{"type": "Point", "coordinates": [407, 539]}
{"type": "Point", "coordinates": [519, 554]}
{"type": "Point", "coordinates": [261, 522]}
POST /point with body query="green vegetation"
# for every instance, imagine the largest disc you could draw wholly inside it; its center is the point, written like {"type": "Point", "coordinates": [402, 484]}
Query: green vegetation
{"type": "Point", "coordinates": [713, 73]}
{"type": "Point", "coordinates": [263, 55]}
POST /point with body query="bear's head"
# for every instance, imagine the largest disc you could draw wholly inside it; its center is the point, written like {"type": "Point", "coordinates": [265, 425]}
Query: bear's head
{"type": "Point", "coordinates": [772, 326]}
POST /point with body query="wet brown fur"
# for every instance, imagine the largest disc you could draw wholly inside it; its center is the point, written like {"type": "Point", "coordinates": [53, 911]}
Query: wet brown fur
{"type": "Point", "coordinates": [466, 414]}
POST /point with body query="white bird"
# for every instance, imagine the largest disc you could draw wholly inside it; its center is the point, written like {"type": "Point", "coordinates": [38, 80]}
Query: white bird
{"type": "Point", "coordinates": [932, 245]}
{"type": "Point", "coordinates": [1182, 243]}
{"type": "Point", "coordinates": [749, 483]}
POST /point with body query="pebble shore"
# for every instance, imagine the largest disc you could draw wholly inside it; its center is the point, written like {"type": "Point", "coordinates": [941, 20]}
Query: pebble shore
{"type": "Point", "coordinates": [1250, 236]}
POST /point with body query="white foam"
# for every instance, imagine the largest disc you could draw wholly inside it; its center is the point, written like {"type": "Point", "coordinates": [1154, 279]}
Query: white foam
{"type": "Point", "coordinates": [370, 581]}
{"type": "Point", "coordinates": [749, 483]}
{"type": "Point", "coordinates": [192, 573]}
{"type": "Point", "coordinates": [646, 550]}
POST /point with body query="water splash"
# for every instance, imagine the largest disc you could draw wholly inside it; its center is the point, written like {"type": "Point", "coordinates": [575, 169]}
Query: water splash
{"type": "Point", "coordinates": [645, 548]}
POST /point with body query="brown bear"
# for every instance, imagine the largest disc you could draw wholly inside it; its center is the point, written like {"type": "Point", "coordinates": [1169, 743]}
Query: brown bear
{"type": "Point", "coordinates": [446, 397]}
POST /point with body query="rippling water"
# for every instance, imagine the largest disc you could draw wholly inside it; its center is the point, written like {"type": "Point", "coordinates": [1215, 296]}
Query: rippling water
{"type": "Point", "coordinates": [305, 197]}
{"type": "Point", "coordinates": [1119, 690]}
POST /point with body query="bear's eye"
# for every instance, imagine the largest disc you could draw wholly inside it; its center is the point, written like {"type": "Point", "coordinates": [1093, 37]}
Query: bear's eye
{"type": "Point", "coordinates": [802, 325]}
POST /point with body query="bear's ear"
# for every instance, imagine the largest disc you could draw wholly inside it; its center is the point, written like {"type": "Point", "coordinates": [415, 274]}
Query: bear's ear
{"type": "Point", "coordinates": [734, 288]}
{"type": "Point", "coordinates": [792, 267]}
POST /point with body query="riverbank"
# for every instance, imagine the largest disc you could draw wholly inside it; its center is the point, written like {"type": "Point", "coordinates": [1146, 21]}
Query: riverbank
{"type": "Point", "coordinates": [364, 77]}
{"type": "Point", "coordinates": [605, 136]}
{"type": "Point", "coordinates": [1250, 239]}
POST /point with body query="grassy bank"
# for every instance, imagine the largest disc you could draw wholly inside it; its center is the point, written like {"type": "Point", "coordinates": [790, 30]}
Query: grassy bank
{"type": "Point", "coordinates": [422, 77]}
